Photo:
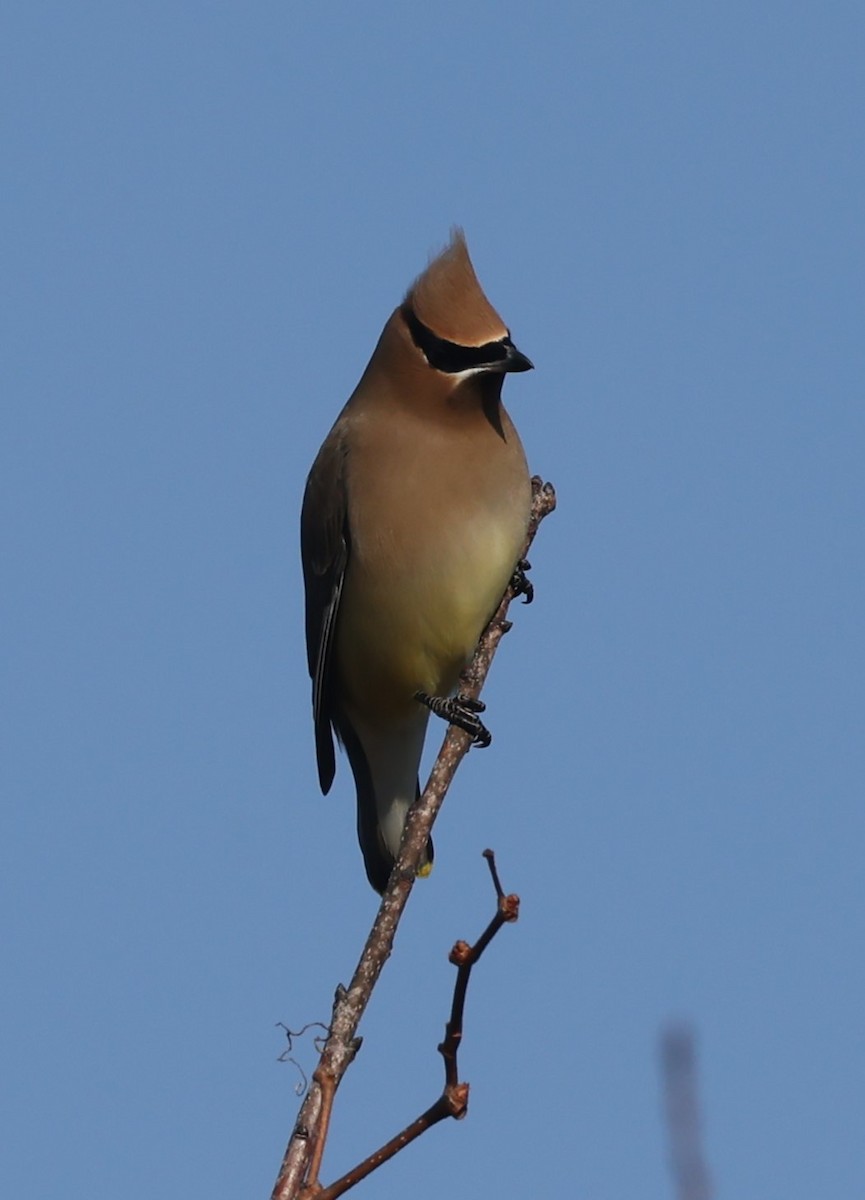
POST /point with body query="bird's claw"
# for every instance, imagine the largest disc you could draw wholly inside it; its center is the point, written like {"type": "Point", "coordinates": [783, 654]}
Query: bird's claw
{"type": "Point", "coordinates": [461, 711]}
{"type": "Point", "coordinates": [521, 585]}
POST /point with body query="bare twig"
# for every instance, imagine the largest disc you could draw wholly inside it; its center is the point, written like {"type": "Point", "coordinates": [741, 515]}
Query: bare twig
{"type": "Point", "coordinates": [350, 1003]}
{"type": "Point", "coordinates": [291, 1034]}
{"type": "Point", "coordinates": [287, 1056]}
{"type": "Point", "coordinates": [454, 1100]}
{"type": "Point", "coordinates": [327, 1084]}
{"type": "Point", "coordinates": [464, 957]}
{"type": "Point", "coordinates": [679, 1066]}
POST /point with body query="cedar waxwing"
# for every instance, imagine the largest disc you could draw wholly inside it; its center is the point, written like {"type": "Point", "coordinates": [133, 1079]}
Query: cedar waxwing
{"type": "Point", "coordinates": [414, 516]}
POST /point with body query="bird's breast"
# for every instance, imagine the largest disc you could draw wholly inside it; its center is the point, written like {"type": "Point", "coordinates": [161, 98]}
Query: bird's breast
{"type": "Point", "coordinates": [421, 585]}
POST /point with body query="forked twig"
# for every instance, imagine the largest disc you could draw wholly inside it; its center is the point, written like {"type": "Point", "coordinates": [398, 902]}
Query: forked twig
{"type": "Point", "coordinates": [454, 1099]}
{"type": "Point", "coordinates": [464, 957]}
{"type": "Point", "coordinates": [306, 1144]}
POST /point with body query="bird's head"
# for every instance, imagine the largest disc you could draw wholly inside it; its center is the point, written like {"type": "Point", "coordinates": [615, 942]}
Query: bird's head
{"type": "Point", "coordinates": [451, 322]}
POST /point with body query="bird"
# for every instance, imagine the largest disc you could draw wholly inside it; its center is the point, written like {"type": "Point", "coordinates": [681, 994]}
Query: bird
{"type": "Point", "coordinates": [414, 517]}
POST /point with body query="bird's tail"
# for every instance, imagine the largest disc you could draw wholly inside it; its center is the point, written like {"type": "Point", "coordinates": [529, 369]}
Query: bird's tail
{"type": "Point", "coordinates": [380, 818]}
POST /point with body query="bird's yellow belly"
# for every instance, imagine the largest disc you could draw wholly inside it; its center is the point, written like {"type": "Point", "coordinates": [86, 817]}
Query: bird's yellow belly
{"type": "Point", "coordinates": [412, 624]}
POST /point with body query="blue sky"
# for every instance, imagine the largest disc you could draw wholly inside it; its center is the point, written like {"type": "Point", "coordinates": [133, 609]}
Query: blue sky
{"type": "Point", "coordinates": [209, 210]}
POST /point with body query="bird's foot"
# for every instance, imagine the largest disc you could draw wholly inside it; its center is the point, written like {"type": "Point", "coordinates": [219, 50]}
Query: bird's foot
{"type": "Point", "coordinates": [520, 582]}
{"type": "Point", "coordinates": [461, 711]}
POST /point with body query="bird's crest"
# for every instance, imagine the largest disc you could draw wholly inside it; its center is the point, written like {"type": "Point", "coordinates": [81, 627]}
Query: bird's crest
{"type": "Point", "coordinates": [448, 299]}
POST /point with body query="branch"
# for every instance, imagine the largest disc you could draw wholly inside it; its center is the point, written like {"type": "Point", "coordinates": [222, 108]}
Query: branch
{"type": "Point", "coordinates": [302, 1158]}
{"type": "Point", "coordinates": [453, 1102]}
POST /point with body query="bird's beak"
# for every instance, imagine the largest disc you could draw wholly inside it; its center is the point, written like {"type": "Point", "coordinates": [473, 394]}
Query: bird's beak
{"type": "Point", "coordinates": [515, 360]}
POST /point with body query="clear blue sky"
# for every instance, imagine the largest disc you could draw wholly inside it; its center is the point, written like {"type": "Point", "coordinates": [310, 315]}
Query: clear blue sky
{"type": "Point", "coordinates": [208, 212]}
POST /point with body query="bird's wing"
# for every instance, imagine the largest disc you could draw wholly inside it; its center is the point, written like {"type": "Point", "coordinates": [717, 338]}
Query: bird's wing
{"type": "Point", "coordinates": [324, 545]}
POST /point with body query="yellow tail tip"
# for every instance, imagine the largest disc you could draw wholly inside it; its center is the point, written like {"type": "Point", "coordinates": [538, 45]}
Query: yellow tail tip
{"type": "Point", "coordinates": [424, 870]}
